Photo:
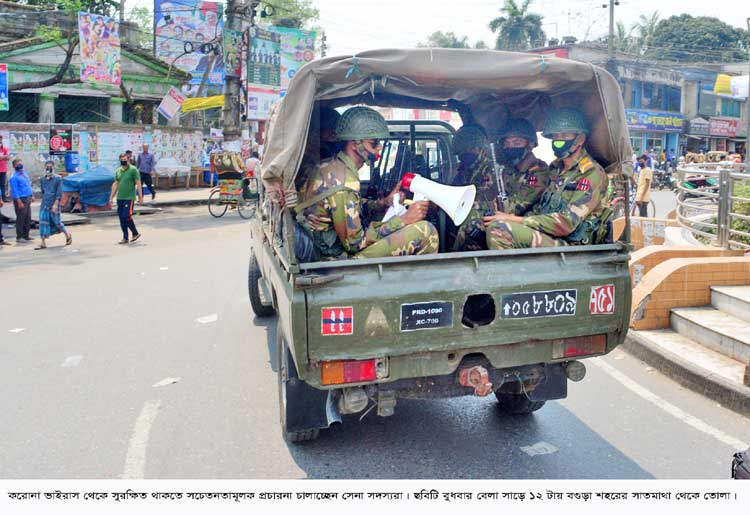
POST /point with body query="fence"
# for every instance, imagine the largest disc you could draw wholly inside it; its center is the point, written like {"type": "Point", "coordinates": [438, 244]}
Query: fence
{"type": "Point", "coordinates": [714, 203]}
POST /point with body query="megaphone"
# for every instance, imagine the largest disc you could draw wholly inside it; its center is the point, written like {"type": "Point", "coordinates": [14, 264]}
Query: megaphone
{"type": "Point", "coordinates": [456, 201]}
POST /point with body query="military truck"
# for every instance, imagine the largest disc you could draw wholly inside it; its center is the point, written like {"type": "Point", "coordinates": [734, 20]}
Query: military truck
{"type": "Point", "coordinates": [356, 335]}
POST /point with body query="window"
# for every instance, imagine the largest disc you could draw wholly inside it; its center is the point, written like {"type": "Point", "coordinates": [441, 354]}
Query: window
{"type": "Point", "coordinates": [24, 108]}
{"type": "Point", "coordinates": [653, 96]}
{"type": "Point", "coordinates": [655, 141]}
{"type": "Point", "coordinates": [75, 109]}
{"type": "Point", "coordinates": [707, 103]}
{"type": "Point", "coordinates": [673, 102]}
{"type": "Point", "coordinates": [730, 107]}
{"type": "Point", "coordinates": [636, 141]}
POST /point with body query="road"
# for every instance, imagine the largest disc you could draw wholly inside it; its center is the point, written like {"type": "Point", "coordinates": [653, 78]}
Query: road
{"type": "Point", "coordinates": [144, 361]}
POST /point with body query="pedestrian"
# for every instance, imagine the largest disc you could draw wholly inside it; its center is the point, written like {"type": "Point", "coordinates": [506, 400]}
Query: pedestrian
{"type": "Point", "coordinates": [643, 193]}
{"type": "Point", "coordinates": [4, 157]}
{"type": "Point", "coordinates": [23, 196]}
{"type": "Point", "coordinates": [2, 240]}
{"type": "Point", "coordinates": [253, 165]}
{"type": "Point", "coordinates": [126, 186]}
{"type": "Point", "coordinates": [50, 221]}
{"type": "Point", "coordinates": [146, 164]}
{"type": "Point", "coordinates": [131, 157]}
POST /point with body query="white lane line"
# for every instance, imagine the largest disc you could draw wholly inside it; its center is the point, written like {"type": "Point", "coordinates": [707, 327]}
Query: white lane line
{"type": "Point", "coordinates": [135, 460]}
{"type": "Point", "coordinates": [673, 410]}
{"type": "Point", "coordinates": [208, 319]}
{"type": "Point", "coordinates": [72, 361]}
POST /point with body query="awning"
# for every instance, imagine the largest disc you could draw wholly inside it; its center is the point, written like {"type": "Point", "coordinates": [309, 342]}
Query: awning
{"type": "Point", "coordinates": [738, 140]}
{"type": "Point", "coordinates": [696, 137]}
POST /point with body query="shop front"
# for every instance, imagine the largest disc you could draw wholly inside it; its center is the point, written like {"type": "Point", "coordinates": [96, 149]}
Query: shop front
{"type": "Point", "coordinates": [698, 136]}
{"type": "Point", "coordinates": [726, 135]}
{"type": "Point", "coordinates": [657, 131]}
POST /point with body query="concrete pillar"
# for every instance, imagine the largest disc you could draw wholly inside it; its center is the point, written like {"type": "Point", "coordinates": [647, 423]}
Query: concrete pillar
{"type": "Point", "coordinates": [628, 93]}
{"type": "Point", "coordinates": [115, 109]}
{"type": "Point", "coordinates": [47, 108]}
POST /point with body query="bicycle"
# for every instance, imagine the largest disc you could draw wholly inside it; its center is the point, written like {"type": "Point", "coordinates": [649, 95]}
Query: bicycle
{"type": "Point", "coordinates": [221, 198]}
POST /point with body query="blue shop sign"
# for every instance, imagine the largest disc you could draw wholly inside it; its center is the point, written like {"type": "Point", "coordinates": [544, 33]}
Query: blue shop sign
{"type": "Point", "coordinates": [653, 121]}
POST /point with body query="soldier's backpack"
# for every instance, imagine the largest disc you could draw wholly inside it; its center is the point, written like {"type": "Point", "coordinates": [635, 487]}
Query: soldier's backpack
{"type": "Point", "coordinates": [741, 465]}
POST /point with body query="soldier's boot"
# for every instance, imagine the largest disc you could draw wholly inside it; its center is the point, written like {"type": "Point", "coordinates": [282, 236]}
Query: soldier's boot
{"type": "Point", "coordinates": [512, 235]}
{"type": "Point", "coordinates": [414, 239]}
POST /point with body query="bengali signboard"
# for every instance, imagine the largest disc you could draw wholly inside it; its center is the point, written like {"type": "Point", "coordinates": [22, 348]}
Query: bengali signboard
{"type": "Point", "coordinates": [182, 25]}
{"type": "Point", "coordinates": [260, 101]}
{"type": "Point", "coordinates": [654, 121]}
{"type": "Point", "coordinates": [264, 58]}
{"type": "Point", "coordinates": [233, 52]}
{"type": "Point", "coordinates": [724, 127]}
{"type": "Point", "coordinates": [4, 103]}
{"type": "Point", "coordinates": [171, 103]}
{"type": "Point", "coordinates": [699, 127]}
{"type": "Point", "coordinates": [297, 48]}
{"type": "Point", "coordinates": [100, 48]}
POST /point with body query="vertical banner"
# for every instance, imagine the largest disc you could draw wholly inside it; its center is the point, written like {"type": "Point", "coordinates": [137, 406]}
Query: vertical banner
{"type": "Point", "coordinates": [264, 58]}
{"type": "Point", "coordinates": [4, 103]}
{"type": "Point", "coordinates": [243, 74]}
{"type": "Point", "coordinates": [297, 48]}
{"type": "Point", "coordinates": [171, 103]}
{"type": "Point", "coordinates": [233, 52]}
{"type": "Point", "coordinates": [187, 33]}
{"type": "Point", "coordinates": [100, 48]}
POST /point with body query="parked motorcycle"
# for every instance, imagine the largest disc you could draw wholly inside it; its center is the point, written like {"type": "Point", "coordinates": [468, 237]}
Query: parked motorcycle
{"type": "Point", "coordinates": [664, 179]}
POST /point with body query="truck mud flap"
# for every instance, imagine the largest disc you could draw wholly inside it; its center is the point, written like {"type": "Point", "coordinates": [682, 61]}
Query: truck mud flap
{"type": "Point", "coordinates": [307, 407]}
{"type": "Point", "coordinates": [553, 386]}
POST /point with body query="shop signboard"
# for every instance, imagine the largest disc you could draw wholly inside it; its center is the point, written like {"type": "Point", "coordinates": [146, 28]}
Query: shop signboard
{"type": "Point", "coordinates": [699, 127]}
{"type": "Point", "coordinates": [4, 104]}
{"type": "Point", "coordinates": [654, 121]}
{"type": "Point", "coordinates": [724, 127]}
{"type": "Point", "coordinates": [171, 103]}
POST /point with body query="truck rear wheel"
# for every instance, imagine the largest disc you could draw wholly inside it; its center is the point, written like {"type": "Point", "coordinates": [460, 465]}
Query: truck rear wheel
{"type": "Point", "coordinates": [290, 398]}
{"type": "Point", "coordinates": [517, 403]}
{"type": "Point", "coordinates": [253, 288]}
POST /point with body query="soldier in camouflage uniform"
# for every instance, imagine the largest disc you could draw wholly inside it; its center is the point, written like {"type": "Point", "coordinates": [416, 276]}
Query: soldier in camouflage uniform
{"type": "Point", "coordinates": [526, 177]}
{"type": "Point", "coordinates": [475, 167]}
{"type": "Point", "coordinates": [569, 209]}
{"type": "Point", "coordinates": [331, 200]}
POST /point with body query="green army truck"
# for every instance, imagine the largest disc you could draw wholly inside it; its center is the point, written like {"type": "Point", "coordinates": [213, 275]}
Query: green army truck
{"type": "Point", "coordinates": [356, 335]}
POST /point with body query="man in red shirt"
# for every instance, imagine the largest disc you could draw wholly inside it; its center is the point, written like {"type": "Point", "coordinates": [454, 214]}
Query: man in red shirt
{"type": "Point", "coordinates": [4, 157]}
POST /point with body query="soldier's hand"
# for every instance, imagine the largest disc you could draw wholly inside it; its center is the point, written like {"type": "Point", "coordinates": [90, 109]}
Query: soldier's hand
{"type": "Point", "coordinates": [318, 223]}
{"type": "Point", "coordinates": [387, 201]}
{"type": "Point", "coordinates": [499, 215]}
{"type": "Point", "coordinates": [416, 212]}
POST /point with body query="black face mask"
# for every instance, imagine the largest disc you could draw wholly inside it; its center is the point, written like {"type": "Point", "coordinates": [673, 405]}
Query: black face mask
{"type": "Point", "coordinates": [48, 170]}
{"type": "Point", "coordinates": [467, 159]}
{"type": "Point", "coordinates": [512, 156]}
{"type": "Point", "coordinates": [561, 148]}
{"type": "Point", "coordinates": [123, 162]}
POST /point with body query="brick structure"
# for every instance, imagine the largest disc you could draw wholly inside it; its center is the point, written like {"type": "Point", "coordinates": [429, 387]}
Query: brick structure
{"type": "Point", "coordinates": [644, 260]}
{"type": "Point", "coordinates": [643, 231]}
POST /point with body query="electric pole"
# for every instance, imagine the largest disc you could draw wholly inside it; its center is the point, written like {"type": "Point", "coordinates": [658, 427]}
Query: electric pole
{"type": "Point", "coordinates": [231, 111]}
{"type": "Point", "coordinates": [611, 37]}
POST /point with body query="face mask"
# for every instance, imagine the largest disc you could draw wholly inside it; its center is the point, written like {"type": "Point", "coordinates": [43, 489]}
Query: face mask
{"type": "Point", "coordinates": [365, 154]}
{"type": "Point", "coordinates": [18, 167]}
{"type": "Point", "coordinates": [561, 147]}
{"type": "Point", "coordinates": [467, 159]}
{"type": "Point", "coordinates": [48, 170]}
{"type": "Point", "coordinates": [513, 155]}
{"type": "Point", "coordinates": [123, 162]}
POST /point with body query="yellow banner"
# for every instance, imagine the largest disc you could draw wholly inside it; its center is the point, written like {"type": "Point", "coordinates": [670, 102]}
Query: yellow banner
{"type": "Point", "coordinates": [199, 104]}
{"type": "Point", "coordinates": [723, 85]}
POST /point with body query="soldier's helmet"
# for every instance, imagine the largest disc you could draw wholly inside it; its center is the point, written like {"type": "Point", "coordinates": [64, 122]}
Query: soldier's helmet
{"type": "Point", "coordinates": [361, 123]}
{"type": "Point", "coordinates": [520, 128]}
{"type": "Point", "coordinates": [567, 119]}
{"type": "Point", "coordinates": [469, 137]}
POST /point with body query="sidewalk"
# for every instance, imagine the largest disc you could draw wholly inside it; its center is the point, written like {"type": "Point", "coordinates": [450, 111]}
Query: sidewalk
{"type": "Point", "coordinates": [178, 197]}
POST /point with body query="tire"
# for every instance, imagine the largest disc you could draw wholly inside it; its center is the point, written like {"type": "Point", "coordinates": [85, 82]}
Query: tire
{"type": "Point", "coordinates": [286, 371]}
{"type": "Point", "coordinates": [215, 207]}
{"type": "Point", "coordinates": [253, 289]}
{"type": "Point", "coordinates": [245, 208]}
{"type": "Point", "coordinates": [517, 403]}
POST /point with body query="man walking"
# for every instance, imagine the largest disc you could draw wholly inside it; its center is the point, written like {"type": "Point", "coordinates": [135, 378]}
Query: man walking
{"type": "Point", "coordinates": [643, 193]}
{"type": "Point", "coordinates": [146, 164]}
{"type": "Point", "coordinates": [127, 184]}
{"type": "Point", "coordinates": [3, 171]}
{"type": "Point", "coordinates": [23, 196]}
{"type": "Point", "coordinates": [50, 221]}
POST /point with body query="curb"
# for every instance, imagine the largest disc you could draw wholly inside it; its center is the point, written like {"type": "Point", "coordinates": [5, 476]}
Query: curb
{"type": "Point", "coordinates": [728, 394]}
{"type": "Point", "coordinates": [179, 203]}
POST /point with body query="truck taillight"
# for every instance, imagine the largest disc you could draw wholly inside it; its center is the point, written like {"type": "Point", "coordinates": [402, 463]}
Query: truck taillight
{"type": "Point", "coordinates": [580, 346]}
{"type": "Point", "coordinates": [342, 372]}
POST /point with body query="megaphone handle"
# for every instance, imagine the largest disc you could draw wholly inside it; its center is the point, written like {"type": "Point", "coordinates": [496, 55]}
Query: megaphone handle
{"type": "Point", "coordinates": [418, 197]}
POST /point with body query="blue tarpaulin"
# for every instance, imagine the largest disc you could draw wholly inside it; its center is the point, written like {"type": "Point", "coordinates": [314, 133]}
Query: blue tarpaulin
{"type": "Point", "coordinates": [93, 186]}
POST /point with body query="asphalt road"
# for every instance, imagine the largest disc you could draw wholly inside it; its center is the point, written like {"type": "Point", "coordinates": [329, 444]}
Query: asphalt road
{"type": "Point", "coordinates": [144, 361]}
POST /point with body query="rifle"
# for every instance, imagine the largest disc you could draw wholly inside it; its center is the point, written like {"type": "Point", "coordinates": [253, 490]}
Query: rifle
{"type": "Point", "coordinates": [502, 195]}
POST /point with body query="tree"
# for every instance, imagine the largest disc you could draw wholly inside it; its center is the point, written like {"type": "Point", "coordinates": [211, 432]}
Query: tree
{"type": "Point", "coordinates": [144, 20]}
{"type": "Point", "coordinates": [442, 39]}
{"type": "Point", "coordinates": [702, 38]}
{"type": "Point", "coordinates": [646, 27]}
{"type": "Point", "coordinates": [517, 29]}
{"type": "Point", "coordinates": [293, 14]}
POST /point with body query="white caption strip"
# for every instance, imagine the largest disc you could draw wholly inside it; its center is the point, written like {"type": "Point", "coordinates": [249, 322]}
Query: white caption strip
{"type": "Point", "coordinates": [673, 410]}
{"type": "Point", "coordinates": [135, 461]}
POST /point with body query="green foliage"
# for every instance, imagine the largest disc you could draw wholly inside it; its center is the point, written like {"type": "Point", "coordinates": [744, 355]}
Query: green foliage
{"type": "Point", "coordinates": [293, 14]}
{"type": "Point", "coordinates": [442, 39]}
{"type": "Point", "coordinates": [144, 20]}
{"type": "Point", "coordinates": [517, 29]}
{"type": "Point", "coordinates": [741, 207]}
{"type": "Point", "coordinates": [689, 38]}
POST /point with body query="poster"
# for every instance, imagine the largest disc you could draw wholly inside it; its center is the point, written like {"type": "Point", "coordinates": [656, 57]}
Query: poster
{"type": "Point", "coordinates": [4, 103]}
{"type": "Point", "coordinates": [260, 101]}
{"type": "Point", "coordinates": [15, 142]}
{"type": "Point", "coordinates": [171, 103]}
{"type": "Point", "coordinates": [92, 144]}
{"type": "Point", "coordinates": [264, 57]}
{"type": "Point", "coordinates": [100, 48]}
{"type": "Point", "coordinates": [110, 146]}
{"type": "Point", "coordinates": [297, 49]}
{"type": "Point", "coordinates": [60, 139]}
{"type": "Point", "coordinates": [183, 25]}
{"type": "Point", "coordinates": [233, 52]}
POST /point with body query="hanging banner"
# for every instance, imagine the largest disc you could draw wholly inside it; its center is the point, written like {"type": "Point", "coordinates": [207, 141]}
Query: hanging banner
{"type": "Point", "coordinates": [187, 33]}
{"type": "Point", "coordinates": [264, 57]}
{"type": "Point", "coordinates": [297, 48]}
{"type": "Point", "coordinates": [100, 48]}
{"type": "Point", "coordinates": [4, 103]}
{"type": "Point", "coordinates": [260, 101]}
{"type": "Point", "coordinates": [171, 103]}
{"type": "Point", "coordinates": [201, 103]}
{"type": "Point", "coordinates": [233, 52]}
{"type": "Point", "coordinates": [60, 139]}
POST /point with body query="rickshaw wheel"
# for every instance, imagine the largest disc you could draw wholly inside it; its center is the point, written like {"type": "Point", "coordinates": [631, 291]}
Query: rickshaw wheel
{"type": "Point", "coordinates": [215, 207]}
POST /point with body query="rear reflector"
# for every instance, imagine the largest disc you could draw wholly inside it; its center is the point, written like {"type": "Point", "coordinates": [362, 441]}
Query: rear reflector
{"type": "Point", "coordinates": [579, 346]}
{"type": "Point", "coordinates": [342, 372]}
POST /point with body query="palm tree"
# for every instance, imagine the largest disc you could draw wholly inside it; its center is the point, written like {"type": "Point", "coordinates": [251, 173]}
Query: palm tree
{"type": "Point", "coordinates": [517, 29]}
{"type": "Point", "coordinates": [646, 27]}
{"type": "Point", "coordinates": [624, 38]}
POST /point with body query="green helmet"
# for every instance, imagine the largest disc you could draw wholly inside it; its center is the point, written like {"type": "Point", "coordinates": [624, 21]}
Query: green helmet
{"type": "Point", "coordinates": [566, 119]}
{"type": "Point", "coordinates": [468, 137]}
{"type": "Point", "coordinates": [520, 128]}
{"type": "Point", "coordinates": [360, 123]}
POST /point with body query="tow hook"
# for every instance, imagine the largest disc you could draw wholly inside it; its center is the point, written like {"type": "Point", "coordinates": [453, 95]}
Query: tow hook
{"type": "Point", "coordinates": [477, 378]}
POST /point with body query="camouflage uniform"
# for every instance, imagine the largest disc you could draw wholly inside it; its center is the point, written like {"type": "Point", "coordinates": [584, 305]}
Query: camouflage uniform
{"type": "Point", "coordinates": [525, 185]}
{"type": "Point", "coordinates": [391, 238]}
{"type": "Point", "coordinates": [573, 197]}
{"type": "Point", "coordinates": [482, 175]}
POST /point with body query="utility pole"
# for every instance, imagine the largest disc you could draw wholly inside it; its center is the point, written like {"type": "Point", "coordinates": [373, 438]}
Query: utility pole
{"type": "Point", "coordinates": [122, 11]}
{"type": "Point", "coordinates": [323, 46]}
{"type": "Point", "coordinates": [231, 111]}
{"type": "Point", "coordinates": [611, 68]}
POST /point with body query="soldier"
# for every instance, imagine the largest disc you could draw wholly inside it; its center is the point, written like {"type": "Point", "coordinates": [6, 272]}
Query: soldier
{"type": "Point", "coordinates": [331, 200]}
{"type": "Point", "coordinates": [528, 176]}
{"type": "Point", "coordinates": [475, 167]}
{"type": "Point", "coordinates": [569, 208]}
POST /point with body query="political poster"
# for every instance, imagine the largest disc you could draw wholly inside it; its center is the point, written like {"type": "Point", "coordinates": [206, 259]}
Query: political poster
{"type": "Point", "coordinates": [297, 49]}
{"type": "Point", "coordinates": [4, 103]}
{"type": "Point", "coordinates": [187, 33]}
{"type": "Point", "coordinates": [100, 48]}
{"type": "Point", "coordinates": [171, 103]}
{"type": "Point", "coordinates": [233, 52]}
{"type": "Point", "coordinates": [259, 102]}
{"type": "Point", "coordinates": [60, 139]}
{"type": "Point", "coordinates": [264, 57]}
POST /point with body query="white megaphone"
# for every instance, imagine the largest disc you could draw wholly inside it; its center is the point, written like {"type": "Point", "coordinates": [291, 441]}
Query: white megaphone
{"type": "Point", "coordinates": [456, 201]}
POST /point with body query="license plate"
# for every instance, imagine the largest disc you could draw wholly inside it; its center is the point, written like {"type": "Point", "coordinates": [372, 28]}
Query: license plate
{"type": "Point", "coordinates": [426, 315]}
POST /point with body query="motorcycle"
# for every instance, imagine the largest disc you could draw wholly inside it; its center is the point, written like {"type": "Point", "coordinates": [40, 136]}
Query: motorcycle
{"type": "Point", "coordinates": [663, 178]}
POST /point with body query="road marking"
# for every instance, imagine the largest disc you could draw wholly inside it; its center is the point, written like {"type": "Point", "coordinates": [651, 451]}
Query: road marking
{"type": "Point", "coordinates": [72, 361]}
{"type": "Point", "coordinates": [673, 410]}
{"type": "Point", "coordinates": [135, 460]}
{"type": "Point", "coordinates": [166, 381]}
{"type": "Point", "coordinates": [539, 449]}
{"type": "Point", "coordinates": [17, 330]}
{"type": "Point", "coordinates": [208, 319]}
